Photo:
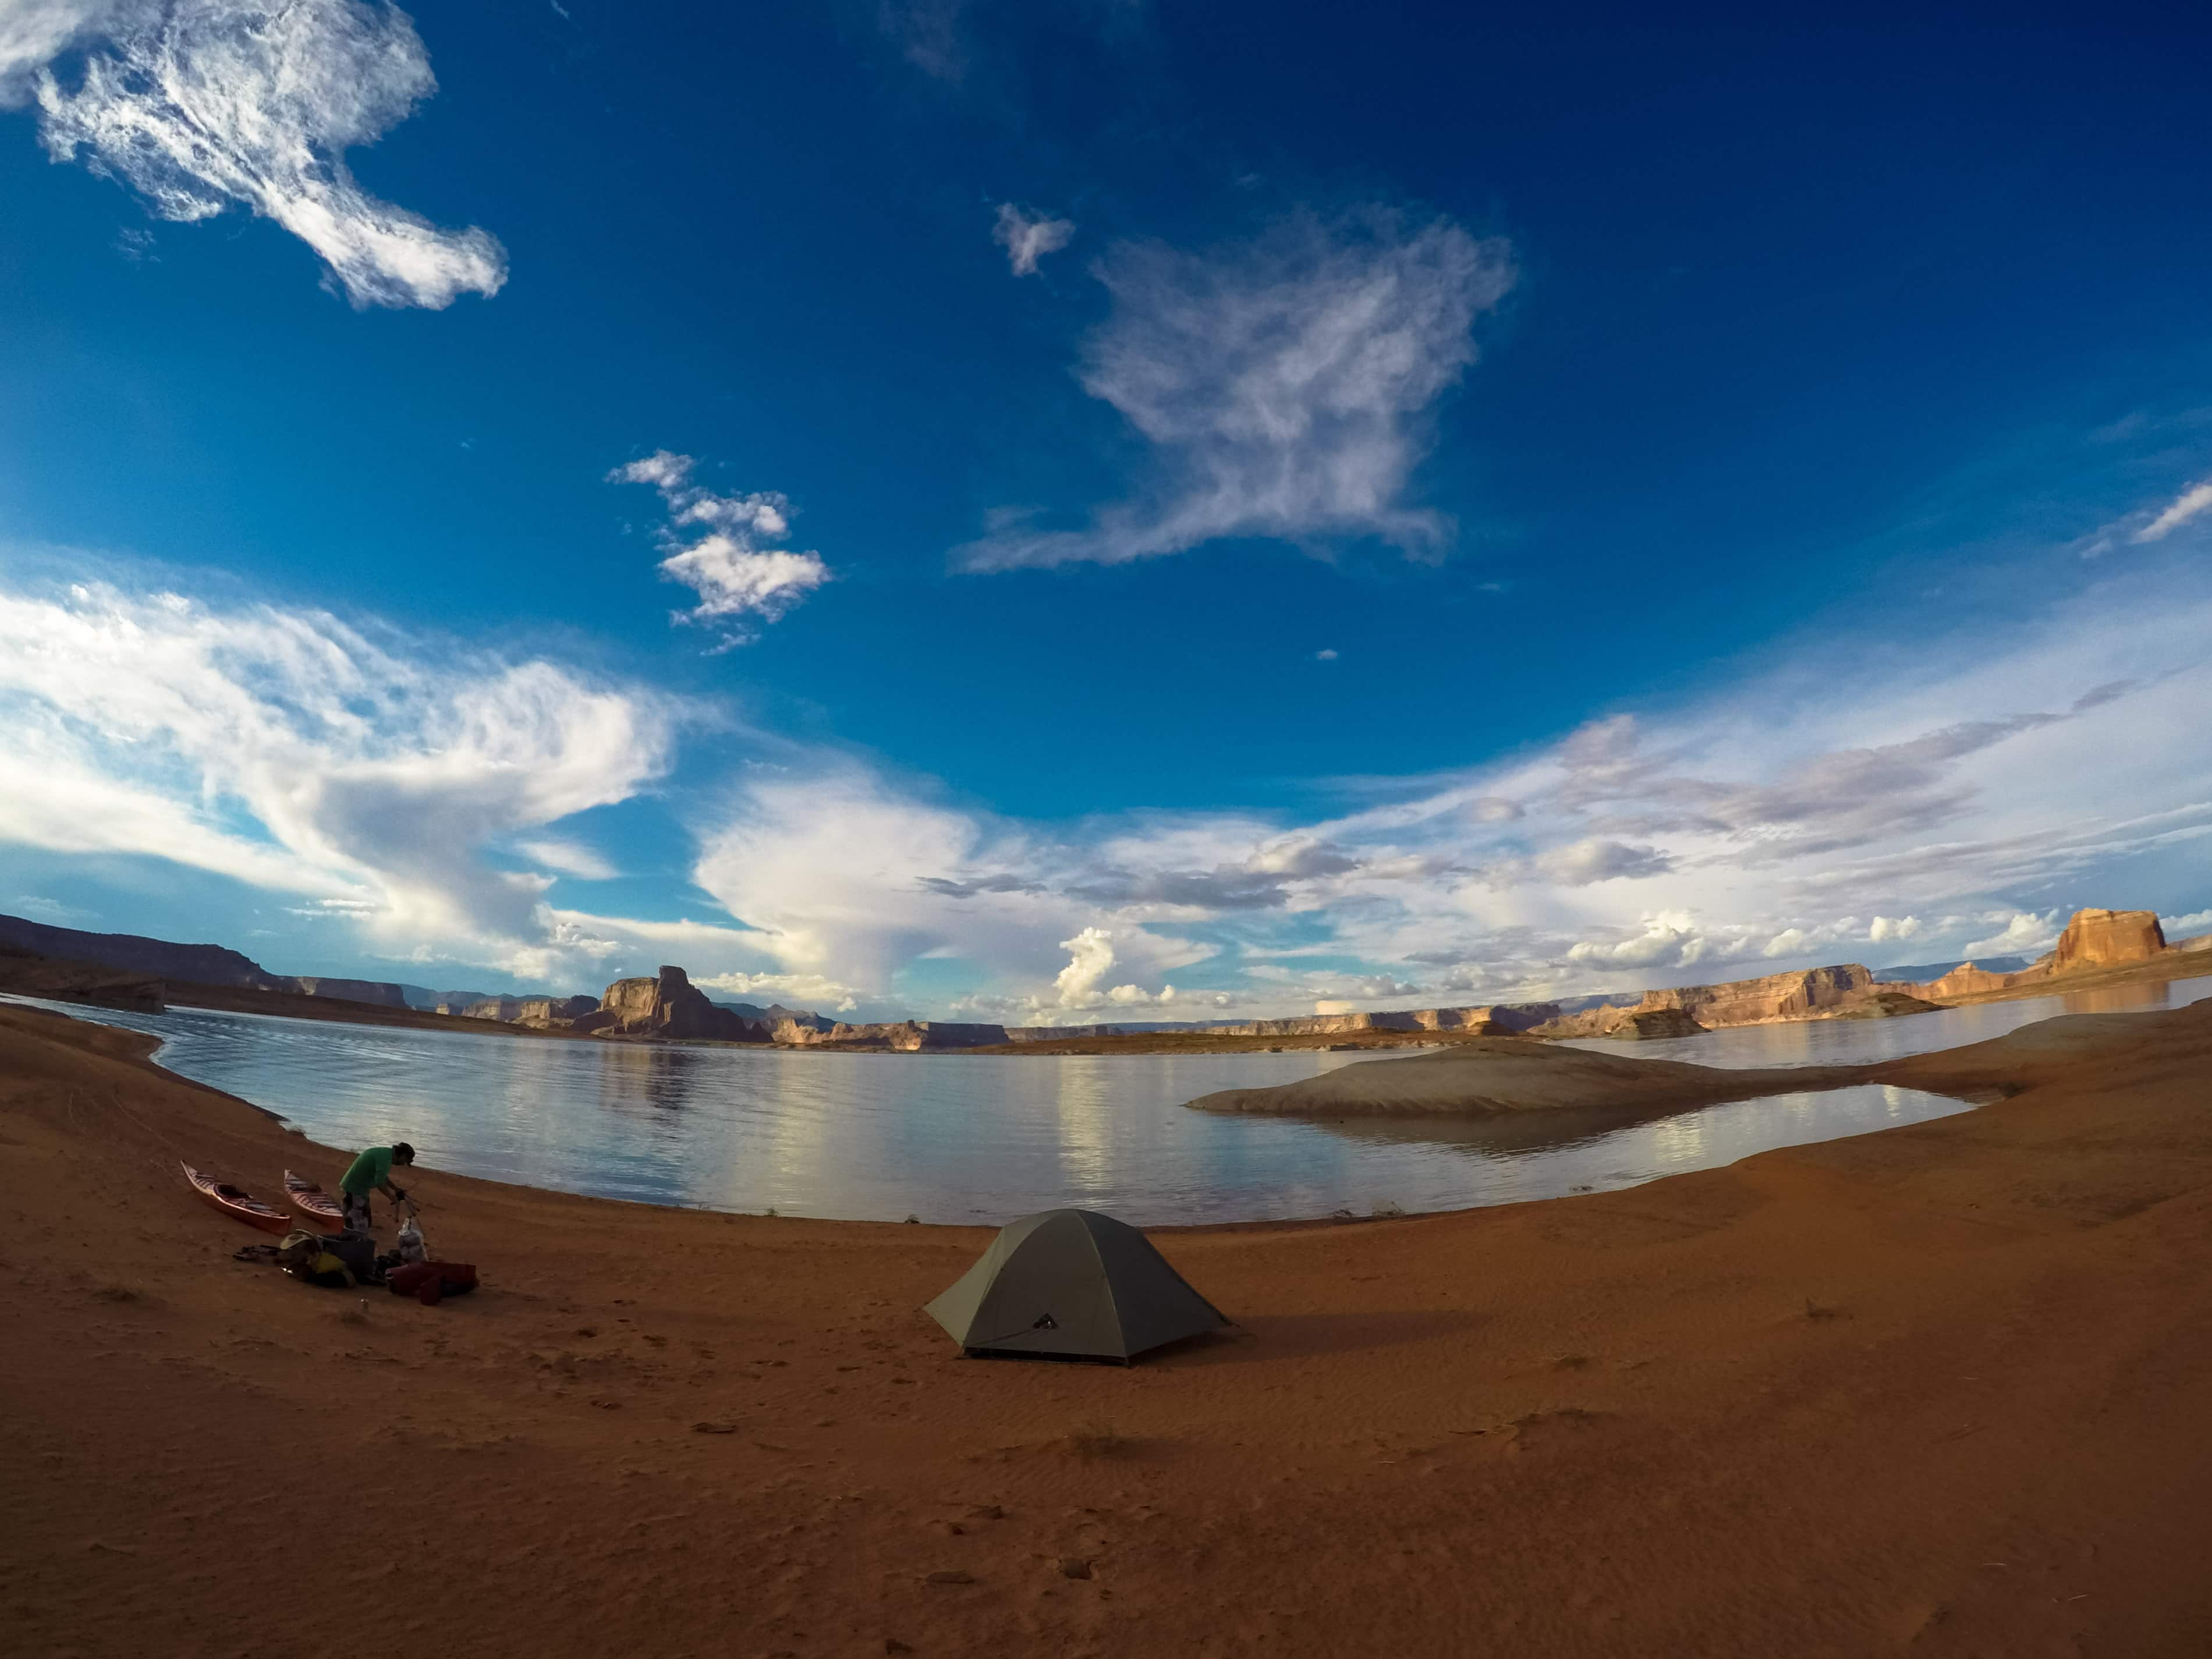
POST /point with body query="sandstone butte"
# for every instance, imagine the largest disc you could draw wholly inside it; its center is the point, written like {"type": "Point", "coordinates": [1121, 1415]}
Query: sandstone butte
{"type": "Point", "coordinates": [2093, 938]}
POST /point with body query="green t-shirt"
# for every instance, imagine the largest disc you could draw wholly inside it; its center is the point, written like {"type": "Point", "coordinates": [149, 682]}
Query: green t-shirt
{"type": "Point", "coordinates": [368, 1172]}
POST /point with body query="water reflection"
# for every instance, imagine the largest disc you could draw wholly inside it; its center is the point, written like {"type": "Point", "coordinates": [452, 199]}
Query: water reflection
{"type": "Point", "coordinates": [1849, 1042]}
{"type": "Point", "coordinates": [985, 1138]}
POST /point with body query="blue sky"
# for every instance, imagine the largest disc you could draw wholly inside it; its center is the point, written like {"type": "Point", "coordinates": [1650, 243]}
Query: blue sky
{"type": "Point", "coordinates": [970, 508]}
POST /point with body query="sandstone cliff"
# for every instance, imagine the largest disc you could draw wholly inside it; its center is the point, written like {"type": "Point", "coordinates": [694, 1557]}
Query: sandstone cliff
{"type": "Point", "coordinates": [1768, 1000]}
{"type": "Point", "coordinates": [1966, 979]}
{"type": "Point", "coordinates": [668, 1005]}
{"type": "Point", "coordinates": [902, 1037]}
{"type": "Point", "coordinates": [2098, 938]}
{"type": "Point", "coordinates": [383, 995]}
{"type": "Point", "coordinates": [2093, 938]}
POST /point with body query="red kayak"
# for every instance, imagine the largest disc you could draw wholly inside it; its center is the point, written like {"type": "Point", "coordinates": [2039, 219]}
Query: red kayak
{"type": "Point", "coordinates": [237, 1203]}
{"type": "Point", "coordinates": [313, 1202]}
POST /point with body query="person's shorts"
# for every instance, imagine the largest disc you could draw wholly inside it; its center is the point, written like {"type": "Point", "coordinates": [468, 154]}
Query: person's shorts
{"type": "Point", "coordinates": [355, 1206]}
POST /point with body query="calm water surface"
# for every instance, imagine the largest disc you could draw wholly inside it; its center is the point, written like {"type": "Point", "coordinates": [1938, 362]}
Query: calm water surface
{"type": "Point", "coordinates": [1854, 1042]}
{"type": "Point", "coordinates": [985, 1138]}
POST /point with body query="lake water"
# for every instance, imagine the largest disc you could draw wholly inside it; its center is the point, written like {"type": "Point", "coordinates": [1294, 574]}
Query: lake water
{"type": "Point", "coordinates": [1854, 1042]}
{"type": "Point", "coordinates": [986, 1138]}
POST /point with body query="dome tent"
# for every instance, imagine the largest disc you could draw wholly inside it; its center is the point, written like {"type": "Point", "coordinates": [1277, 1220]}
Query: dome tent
{"type": "Point", "coordinates": [1075, 1284]}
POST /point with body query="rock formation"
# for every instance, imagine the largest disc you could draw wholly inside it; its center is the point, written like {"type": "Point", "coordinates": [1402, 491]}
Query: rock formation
{"type": "Point", "coordinates": [23, 973]}
{"type": "Point", "coordinates": [668, 1005]}
{"type": "Point", "coordinates": [1634, 1024]}
{"type": "Point", "coordinates": [2099, 938]}
{"type": "Point", "coordinates": [203, 964]}
{"type": "Point", "coordinates": [553, 1011]}
{"type": "Point", "coordinates": [902, 1036]}
{"type": "Point", "coordinates": [1488, 1020]}
{"type": "Point", "coordinates": [1768, 1000]}
{"type": "Point", "coordinates": [383, 995]}
{"type": "Point", "coordinates": [2093, 938]}
{"type": "Point", "coordinates": [1964, 980]}
{"type": "Point", "coordinates": [1883, 1003]}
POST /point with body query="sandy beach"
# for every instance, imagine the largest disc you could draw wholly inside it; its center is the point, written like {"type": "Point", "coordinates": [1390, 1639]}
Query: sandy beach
{"type": "Point", "coordinates": [1937, 1390]}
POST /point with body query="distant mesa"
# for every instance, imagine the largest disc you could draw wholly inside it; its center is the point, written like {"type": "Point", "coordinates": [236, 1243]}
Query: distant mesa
{"type": "Point", "coordinates": [381, 994]}
{"type": "Point", "coordinates": [900, 1036]}
{"type": "Point", "coordinates": [2094, 938]}
{"type": "Point", "coordinates": [1489, 1020]}
{"type": "Point", "coordinates": [131, 971]}
{"type": "Point", "coordinates": [26, 974]}
{"type": "Point", "coordinates": [1686, 1010]}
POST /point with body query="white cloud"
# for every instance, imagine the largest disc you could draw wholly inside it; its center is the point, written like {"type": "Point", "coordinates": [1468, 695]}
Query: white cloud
{"type": "Point", "coordinates": [2183, 927]}
{"type": "Point", "coordinates": [1325, 655]}
{"type": "Point", "coordinates": [1028, 237]}
{"type": "Point", "coordinates": [1669, 939]}
{"type": "Point", "coordinates": [204, 104]}
{"type": "Point", "coordinates": [1594, 858]}
{"type": "Point", "coordinates": [1287, 385]}
{"type": "Point", "coordinates": [2024, 933]}
{"type": "Point", "coordinates": [808, 991]}
{"type": "Point", "coordinates": [735, 577]}
{"type": "Point", "coordinates": [286, 750]}
{"type": "Point", "coordinates": [570, 857]}
{"type": "Point", "coordinates": [1771, 822]}
{"type": "Point", "coordinates": [2190, 504]}
{"type": "Point", "coordinates": [1090, 959]}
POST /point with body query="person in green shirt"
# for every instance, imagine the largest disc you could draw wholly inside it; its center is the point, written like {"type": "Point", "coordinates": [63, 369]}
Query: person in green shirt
{"type": "Point", "coordinates": [371, 1172]}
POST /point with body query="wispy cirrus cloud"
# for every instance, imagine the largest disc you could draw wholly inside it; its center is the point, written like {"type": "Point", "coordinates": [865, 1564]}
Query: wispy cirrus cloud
{"type": "Point", "coordinates": [717, 549]}
{"type": "Point", "coordinates": [201, 106]}
{"type": "Point", "coordinates": [1287, 386]}
{"type": "Point", "coordinates": [290, 750]}
{"type": "Point", "coordinates": [2192, 503]}
{"type": "Point", "coordinates": [1028, 237]}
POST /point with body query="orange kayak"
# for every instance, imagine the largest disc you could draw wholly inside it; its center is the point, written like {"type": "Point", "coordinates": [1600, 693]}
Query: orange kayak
{"type": "Point", "coordinates": [237, 1203]}
{"type": "Point", "coordinates": [313, 1202]}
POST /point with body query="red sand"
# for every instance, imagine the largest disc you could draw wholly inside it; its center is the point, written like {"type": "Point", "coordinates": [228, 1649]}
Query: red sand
{"type": "Point", "coordinates": [1940, 1391]}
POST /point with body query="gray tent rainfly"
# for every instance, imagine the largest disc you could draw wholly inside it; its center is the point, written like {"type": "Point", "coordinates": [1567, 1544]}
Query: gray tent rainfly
{"type": "Point", "coordinates": [1075, 1284]}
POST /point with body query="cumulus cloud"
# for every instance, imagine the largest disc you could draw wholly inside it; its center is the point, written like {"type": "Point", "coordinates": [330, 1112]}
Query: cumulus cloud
{"type": "Point", "coordinates": [201, 106]}
{"type": "Point", "coordinates": [2181, 926]}
{"type": "Point", "coordinates": [1885, 928]}
{"type": "Point", "coordinates": [2192, 503]}
{"type": "Point", "coordinates": [1028, 237]}
{"type": "Point", "coordinates": [1286, 386]}
{"type": "Point", "coordinates": [715, 547]}
{"type": "Point", "coordinates": [1668, 939]}
{"type": "Point", "coordinates": [2025, 933]}
{"type": "Point", "coordinates": [1090, 959]}
{"type": "Point", "coordinates": [290, 750]}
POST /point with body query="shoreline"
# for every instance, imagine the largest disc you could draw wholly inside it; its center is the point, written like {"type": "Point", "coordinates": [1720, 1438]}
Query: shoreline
{"type": "Point", "coordinates": [2163, 969]}
{"type": "Point", "coordinates": [1798, 1404]}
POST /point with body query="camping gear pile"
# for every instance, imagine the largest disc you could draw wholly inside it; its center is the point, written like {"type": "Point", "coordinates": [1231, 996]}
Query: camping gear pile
{"type": "Point", "coordinates": [1062, 1283]}
{"type": "Point", "coordinates": [318, 1249]}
